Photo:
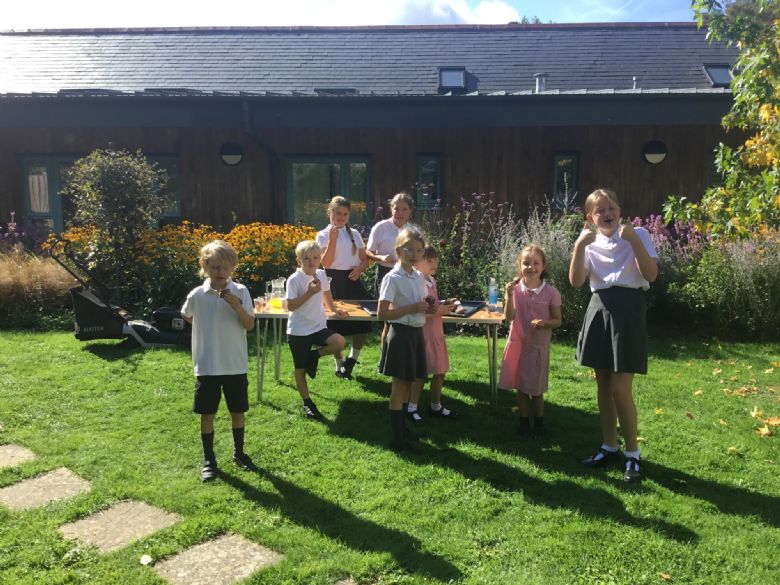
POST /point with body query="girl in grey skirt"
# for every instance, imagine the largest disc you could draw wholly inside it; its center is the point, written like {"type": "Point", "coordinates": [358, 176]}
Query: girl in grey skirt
{"type": "Point", "coordinates": [620, 262]}
{"type": "Point", "coordinates": [402, 303]}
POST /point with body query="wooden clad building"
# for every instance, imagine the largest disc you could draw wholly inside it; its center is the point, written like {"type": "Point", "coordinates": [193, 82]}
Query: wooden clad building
{"type": "Point", "coordinates": [267, 124]}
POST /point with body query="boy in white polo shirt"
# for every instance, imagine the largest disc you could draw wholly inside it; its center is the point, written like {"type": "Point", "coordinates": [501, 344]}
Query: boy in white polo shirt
{"type": "Point", "coordinates": [307, 289]}
{"type": "Point", "coordinates": [220, 311]}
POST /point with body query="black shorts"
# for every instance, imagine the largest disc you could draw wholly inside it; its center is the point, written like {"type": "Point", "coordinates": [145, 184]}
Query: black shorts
{"type": "Point", "coordinates": [300, 345]}
{"type": "Point", "coordinates": [209, 389]}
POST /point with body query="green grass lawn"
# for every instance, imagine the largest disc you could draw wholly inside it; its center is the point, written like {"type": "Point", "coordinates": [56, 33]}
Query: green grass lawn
{"type": "Point", "coordinates": [475, 504]}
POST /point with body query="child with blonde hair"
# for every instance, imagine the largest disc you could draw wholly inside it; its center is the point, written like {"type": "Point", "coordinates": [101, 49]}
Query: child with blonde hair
{"type": "Point", "coordinates": [620, 263]}
{"type": "Point", "coordinates": [221, 313]}
{"type": "Point", "coordinates": [308, 291]}
{"type": "Point", "coordinates": [533, 307]}
{"type": "Point", "coordinates": [402, 304]}
{"type": "Point", "coordinates": [436, 356]}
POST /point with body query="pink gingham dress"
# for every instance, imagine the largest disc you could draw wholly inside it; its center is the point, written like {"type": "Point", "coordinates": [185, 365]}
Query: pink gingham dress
{"type": "Point", "coordinates": [436, 356]}
{"type": "Point", "coordinates": [525, 365]}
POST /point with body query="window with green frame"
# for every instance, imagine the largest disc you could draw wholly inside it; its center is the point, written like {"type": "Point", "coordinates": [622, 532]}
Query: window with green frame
{"type": "Point", "coordinates": [565, 176]}
{"type": "Point", "coordinates": [45, 175]}
{"type": "Point", "coordinates": [313, 180]}
{"type": "Point", "coordinates": [428, 185]}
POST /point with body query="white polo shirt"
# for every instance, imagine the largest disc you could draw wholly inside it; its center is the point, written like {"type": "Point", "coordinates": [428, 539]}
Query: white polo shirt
{"type": "Point", "coordinates": [381, 240]}
{"type": "Point", "coordinates": [218, 336]}
{"type": "Point", "coordinates": [403, 289]}
{"type": "Point", "coordinates": [309, 317]}
{"type": "Point", "coordinates": [611, 261]}
{"type": "Point", "coordinates": [344, 258]}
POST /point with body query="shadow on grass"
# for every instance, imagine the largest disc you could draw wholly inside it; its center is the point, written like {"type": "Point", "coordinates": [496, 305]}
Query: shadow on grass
{"type": "Point", "coordinates": [358, 420]}
{"type": "Point", "coordinates": [311, 511]}
{"type": "Point", "coordinates": [111, 351]}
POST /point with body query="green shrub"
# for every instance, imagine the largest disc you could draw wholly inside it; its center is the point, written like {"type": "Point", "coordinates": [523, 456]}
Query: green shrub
{"type": "Point", "coordinates": [734, 290]}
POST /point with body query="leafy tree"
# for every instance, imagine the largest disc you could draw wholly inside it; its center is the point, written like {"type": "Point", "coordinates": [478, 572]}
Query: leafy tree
{"type": "Point", "coordinates": [748, 196]}
{"type": "Point", "coordinates": [119, 195]}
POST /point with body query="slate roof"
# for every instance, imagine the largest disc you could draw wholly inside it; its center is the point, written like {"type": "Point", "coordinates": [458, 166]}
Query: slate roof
{"type": "Point", "coordinates": [365, 61]}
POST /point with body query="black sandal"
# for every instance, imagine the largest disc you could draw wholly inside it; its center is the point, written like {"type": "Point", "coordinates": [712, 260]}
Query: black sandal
{"type": "Point", "coordinates": [601, 457]}
{"type": "Point", "coordinates": [209, 471]}
{"type": "Point", "coordinates": [632, 473]}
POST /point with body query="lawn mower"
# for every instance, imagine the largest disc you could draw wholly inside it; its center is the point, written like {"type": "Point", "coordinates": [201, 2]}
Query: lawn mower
{"type": "Point", "coordinates": [97, 318]}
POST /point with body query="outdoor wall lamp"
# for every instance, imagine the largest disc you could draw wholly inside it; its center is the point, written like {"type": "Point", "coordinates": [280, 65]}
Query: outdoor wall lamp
{"type": "Point", "coordinates": [231, 153]}
{"type": "Point", "coordinates": [654, 152]}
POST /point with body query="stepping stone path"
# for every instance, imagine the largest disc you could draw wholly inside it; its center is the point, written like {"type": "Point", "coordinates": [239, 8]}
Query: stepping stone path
{"type": "Point", "coordinates": [13, 455]}
{"type": "Point", "coordinates": [119, 525]}
{"type": "Point", "coordinates": [59, 484]}
{"type": "Point", "coordinates": [221, 561]}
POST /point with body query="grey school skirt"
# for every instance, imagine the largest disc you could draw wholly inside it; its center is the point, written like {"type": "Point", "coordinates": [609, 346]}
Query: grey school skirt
{"type": "Point", "coordinates": [614, 333]}
{"type": "Point", "coordinates": [403, 354]}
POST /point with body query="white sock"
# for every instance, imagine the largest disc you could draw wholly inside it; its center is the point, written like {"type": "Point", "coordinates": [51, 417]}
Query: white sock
{"type": "Point", "coordinates": [339, 362]}
{"type": "Point", "coordinates": [634, 454]}
{"type": "Point", "coordinates": [354, 353]}
{"type": "Point", "coordinates": [608, 448]}
{"type": "Point", "coordinates": [412, 407]}
{"type": "Point", "coordinates": [436, 406]}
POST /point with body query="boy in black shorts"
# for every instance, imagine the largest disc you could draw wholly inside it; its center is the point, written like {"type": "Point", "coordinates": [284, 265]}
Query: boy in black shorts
{"type": "Point", "coordinates": [307, 289]}
{"type": "Point", "coordinates": [220, 311]}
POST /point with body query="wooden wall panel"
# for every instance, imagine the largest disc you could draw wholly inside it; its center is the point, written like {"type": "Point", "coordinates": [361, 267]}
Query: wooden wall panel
{"type": "Point", "coordinates": [515, 163]}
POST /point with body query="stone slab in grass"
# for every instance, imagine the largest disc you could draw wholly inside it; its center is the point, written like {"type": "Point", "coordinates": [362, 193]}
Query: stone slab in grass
{"type": "Point", "coordinates": [222, 561]}
{"type": "Point", "coordinates": [119, 525]}
{"type": "Point", "coordinates": [13, 455]}
{"type": "Point", "coordinates": [59, 484]}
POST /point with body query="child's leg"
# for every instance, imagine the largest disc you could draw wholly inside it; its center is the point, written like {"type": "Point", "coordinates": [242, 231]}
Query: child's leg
{"type": "Point", "coordinates": [206, 423]}
{"type": "Point", "coordinates": [621, 384]}
{"type": "Point", "coordinates": [333, 345]}
{"type": "Point", "coordinates": [358, 341]}
{"type": "Point", "coordinates": [238, 422]}
{"type": "Point", "coordinates": [437, 383]}
{"type": "Point", "coordinates": [607, 411]}
{"type": "Point", "coordinates": [523, 403]}
{"type": "Point", "coordinates": [399, 391]}
{"type": "Point", "coordinates": [537, 404]}
{"type": "Point", "coordinates": [415, 393]}
{"type": "Point", "coordinates": [300, 383]}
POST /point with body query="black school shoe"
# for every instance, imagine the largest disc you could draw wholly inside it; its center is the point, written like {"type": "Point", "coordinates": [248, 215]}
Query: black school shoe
{"type": "Point", "coordinates": [601, 458]}
{"type": "Point", "coordinates": [245, 462]}
{"type": "Point", "coordinates": [632, 474]}
{"type": "Point", "coordinates": [311, 412]}
{"type": "Point", "coordinates": [442, 413]}
{"type": "Point", "coordinates": [347, 367]}
{"type": "Point", "coordinates": [209, 471]}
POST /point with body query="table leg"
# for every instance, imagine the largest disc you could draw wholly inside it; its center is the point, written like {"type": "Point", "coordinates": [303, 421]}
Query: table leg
{"type": "Point", "coordinates": [277, 348]}
{"type": "Point", "coordinates": [494, 367]}
{"type": "Point", "coordinates": [261, 348]}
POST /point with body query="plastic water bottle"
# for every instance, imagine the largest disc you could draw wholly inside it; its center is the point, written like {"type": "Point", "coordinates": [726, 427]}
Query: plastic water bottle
{"type": "Point", "coordinates": [492, 294]}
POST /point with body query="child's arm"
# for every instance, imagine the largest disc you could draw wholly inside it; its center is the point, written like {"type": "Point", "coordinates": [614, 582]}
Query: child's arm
{"type": "Point", "coordinates": [327, 300]}
{"type": "Point", "coordinates": [555, 321]}
{"type": "Point", "coordinates": [577, 272]}
{"type": "Point", "coordinates": [509, 305]}
{"type": "Point", "coordinates": [247, 320]}
{"type": "Point", "coordinates": [385, 313]}
{"type": "Point", "coordinates": [329, 251]}
{"type": "Point", "coordinates": [312, 289]}
{"type": "Point", "coordinates": [360, 268]}
{"type": "Point", "coordinates": [647, 265]}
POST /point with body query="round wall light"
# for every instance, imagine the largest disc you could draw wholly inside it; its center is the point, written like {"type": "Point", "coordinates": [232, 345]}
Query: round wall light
{"type": "Point", "coordinates": [654, 152]}
{"type": "Point", "coordinates": [231, 153]}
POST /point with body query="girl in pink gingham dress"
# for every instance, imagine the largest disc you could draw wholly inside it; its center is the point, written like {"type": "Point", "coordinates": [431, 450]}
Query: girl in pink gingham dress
{"type": "Point", "coordinates": [436, 356]}
{"type": "Point", "coordinates": [534, 309]}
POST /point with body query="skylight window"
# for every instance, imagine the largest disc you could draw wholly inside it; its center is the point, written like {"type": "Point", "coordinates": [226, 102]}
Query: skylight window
{"type": "Point", "coordinates": [720, 75]}
{"type": "Point", "coordinates": [452, 78]}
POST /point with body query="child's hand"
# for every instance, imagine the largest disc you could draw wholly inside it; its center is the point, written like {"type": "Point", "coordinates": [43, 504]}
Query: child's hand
{"type": "Point", "coordinates": [421, 307]}
{"type": "Point", "coordinates": [628, 233]}
{"type": "Point", "coordinates": [340, 313]}
{"type": "Point", "coordinates": [587, 235]}
{"type": "Point", "coordinates": [355, 273]}
{"type": "Point", "coordinates": [386, 258]}
{"type": "Point", "coordinates": [510, 286]}
{"type": "Point", "coordinates": [315, 286]}
{"type": "Point", "coordinates": [537, 324]}
{"type": "Point", "coordinates": [230, 298]}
